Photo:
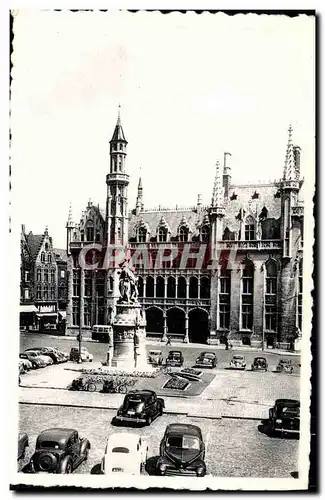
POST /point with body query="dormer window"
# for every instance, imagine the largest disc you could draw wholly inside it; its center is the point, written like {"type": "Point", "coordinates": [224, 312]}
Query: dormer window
{"type": "Point", "coordinates": [183, 234]}
{"type": "Point", "coordinates": [142, 235]}
{"type": "Point", "coordinates": [249, 229]}
{"type": "Point", "coordinates": [42, 257]}
{"type": "Point", "coordinates": [46, 246]}
{"type": "Point", "coordinates": [162, 234]}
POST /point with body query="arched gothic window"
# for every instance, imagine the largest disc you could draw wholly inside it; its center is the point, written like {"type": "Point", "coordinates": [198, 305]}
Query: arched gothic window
{"type": "Point", "coordinates": [183, 233]}
{"type": "Point", "coordinates": [247, 296]}
{"type": "Point", "coordinates": [271, 295]}
{"type": "Point", "coordinates": [162, 234]}
{"type": "Point", "coordinates": [142, 234]}
{"type": "Point", "coordinates": [249, 228]}
{"type": "Point", "coordinates": [90, 231]}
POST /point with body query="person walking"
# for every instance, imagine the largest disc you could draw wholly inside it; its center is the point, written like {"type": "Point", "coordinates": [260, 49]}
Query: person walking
{"type": "Point", "coordinates": [168, 341]}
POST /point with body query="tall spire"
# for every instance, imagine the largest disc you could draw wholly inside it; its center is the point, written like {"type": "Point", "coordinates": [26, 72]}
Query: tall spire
{"type": "Point", "coordinates": [118, 134]}
{"type": "Point", "coordinates": [139, 201]}
{"type": "Point", "coordinates": [289, 172]}
{"type": "Point", "coordinates": [218, 190]}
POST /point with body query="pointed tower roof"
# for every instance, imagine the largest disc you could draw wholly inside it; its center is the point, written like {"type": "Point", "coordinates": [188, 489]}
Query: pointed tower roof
{"type": "Point", "coordinates": [218, 190]}
{"type": "Point", "coordinates": [289, 172]}
{"type": "Point", "coordinates": [140, 183]}
{"type": "Point", "coordinates": [118, 134]}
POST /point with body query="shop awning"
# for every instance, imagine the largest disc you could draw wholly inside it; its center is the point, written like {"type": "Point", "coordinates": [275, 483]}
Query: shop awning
{"type": "Point", "coordinates": [47, 314]}
{"type": "Point", "coordinates": [63, 314]}
{"type": "Point", "coordinates": [28, 308]}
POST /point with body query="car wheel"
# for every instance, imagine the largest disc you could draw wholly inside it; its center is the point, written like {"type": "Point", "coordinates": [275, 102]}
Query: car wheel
{"type": "Point", "coordinates": [34, 366]}
{"type": "Point", "coordinates": [149, 420]}
{"type": "Point", "coordinates": [91, 387]}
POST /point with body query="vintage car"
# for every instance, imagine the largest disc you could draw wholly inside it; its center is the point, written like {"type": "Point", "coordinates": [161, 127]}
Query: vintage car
{"type": "Point", "coordinates": [56, 355]}
{"type": "Point", "coordinates": [37, 359]}
{"type": "Point", "coordinates": [125, 453]}
{"type": "Point", "coordinates": [206, 360]}
{"type": "Point", "coordinates": [284, 365]}
{"type": "Point", "coordinates": [85, 354]}
{"type": "Point", "coordinates": [155, 358]}
{"type": "Point", "coordinates": [140, 406]}
{"type": "Point", "coordinates": [22, 445]}
{"type": "Point", "coordinates": [285, 417]}
{"type": "Point", "coordinates": [259, 364]}
{"type": "Point", "coordinates": [59, 451]}
{"type": "Point", "coordinates": [24, 365]}
{"type": "Point", "coordinates": [182, 451]}
{"type": "Point", "coordinates": [174, 358]}
{"type": "Point", "coordinates": [238, 362]}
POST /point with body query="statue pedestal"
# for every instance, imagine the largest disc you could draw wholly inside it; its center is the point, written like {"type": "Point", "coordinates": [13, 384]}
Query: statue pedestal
{"type": "Point", "coordinates": [129, 336]}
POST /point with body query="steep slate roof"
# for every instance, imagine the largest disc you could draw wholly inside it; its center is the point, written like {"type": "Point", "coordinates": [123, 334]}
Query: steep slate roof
{"type": "Point", "coordinates": [60, 254]}
{"type": "Point", "coordinates": [118, 134]}
{"type": "Point", "coordinates": [173, 219]}
{"type": "Point", "coordinates": [34, 242]}
{"type": "Point", "coordinates": [244, 200]}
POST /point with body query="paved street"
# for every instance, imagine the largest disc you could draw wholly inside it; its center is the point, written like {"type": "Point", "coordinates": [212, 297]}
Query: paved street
{"type": "Point", "coordinates": [235, 448]}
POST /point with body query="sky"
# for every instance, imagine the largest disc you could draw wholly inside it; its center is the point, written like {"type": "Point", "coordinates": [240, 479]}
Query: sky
{"type": "Point", "coordinates": [190, 87]}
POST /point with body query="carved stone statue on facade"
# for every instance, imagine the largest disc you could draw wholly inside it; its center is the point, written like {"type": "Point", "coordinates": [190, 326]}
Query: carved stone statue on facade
{"type": "Point", "coordinates": [128, 285]}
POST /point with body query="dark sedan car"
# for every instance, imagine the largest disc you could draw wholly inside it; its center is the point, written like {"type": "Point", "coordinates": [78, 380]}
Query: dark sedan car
{"type": "Point", "coordinates": [285, 417]}
{"type": "Point", "coordinates": [259, 364]}
{"type": "Point", "coordinates": [140, 407]}
{"type": "Point", "coordinates": [182, 451]}
{"type": "Point", "coordinates": [58, 451]}
{"type": "Point", "coordinates": [206, 360]}
{"type": "Point", "coordinates": [174, 358]}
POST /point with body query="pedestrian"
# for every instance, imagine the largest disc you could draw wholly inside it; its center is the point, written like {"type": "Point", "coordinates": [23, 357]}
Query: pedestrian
{"type": "Point", "coordinates": [168, 341]}
{"type": "Point", "coordinates": [227, 345]}
{"type": "Point", "coordinates": [230, 345]}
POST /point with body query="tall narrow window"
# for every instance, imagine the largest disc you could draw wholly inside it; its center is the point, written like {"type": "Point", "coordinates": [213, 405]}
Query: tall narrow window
{"type": "Point", "coordinates": [76, 283]}
{"type": "Point", "coordinates": [49, 258]}
{"type": "Point", "coordinates": [90, 232]}
{"type": "Point", "coordinates": [88, 283]}
{"type": "Point", "coordinates": [300, 292]}
{"type": "Point", "coordinates": [224, 299]}
{"type": "Point", "coordinates": [142, 234]}
{"type": "Point", "coordinates": [87, 312]}
{"type": "Point", "coordinates": [52, 293]}
{"type": "Point", "coordinates": [46, 275]}
{"type": "Point", "coordinates": [249, 229]}
{"type": "Point", "coordinates": [75, 312]}
{"type": "Point", "coordinates": [162, 234]}
{"type": "Point", "coordinates": [52, 275]}
{"type": "Point", "coordinates": [42, 257]}
{"type": "Point", "coordinates": [38, 292]}
{"type": "Point", "coordinates": [205, 233]}
{"type": "Point", "coordinates": [247, 296]}
{"type": "Point", "coordinates": [271, 296]}
{"type": "Point", "coordinates": [183, 234]}
{"type": "Point", "coordinates": [46, 292]}
{"type": "Point", "coordinates": [39, 274]}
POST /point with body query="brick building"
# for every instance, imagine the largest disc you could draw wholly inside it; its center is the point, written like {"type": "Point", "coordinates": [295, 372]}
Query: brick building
{"type": "Point", "coordinates": [249, 283]}
{"type": "Point", "coordinates": [43, 282]}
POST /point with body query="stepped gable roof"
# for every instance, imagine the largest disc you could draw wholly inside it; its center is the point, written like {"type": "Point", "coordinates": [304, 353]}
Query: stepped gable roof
{"type": "Point", "coordinates": [173, 218]}
{"type": "Point", "coordinates": [60, 254]}
{"type": "Point", "coordinates": [250, 203]}
{"type": "Point", "coordinates": [34, 242]}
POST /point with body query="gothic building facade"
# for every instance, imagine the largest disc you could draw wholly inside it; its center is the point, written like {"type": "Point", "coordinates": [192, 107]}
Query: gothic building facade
{"type": "Point", "coordinates": [232, 269]}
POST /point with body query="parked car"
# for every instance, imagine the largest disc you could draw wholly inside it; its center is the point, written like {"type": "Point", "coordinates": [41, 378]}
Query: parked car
{"type": "Point", "coordinates": [125, 453]}
{"type": "Point", "coordinates": [59, 451]}
{"type": "Point", "coordinates": [140, 406]}
{"type": "Point", "coordinates": [22, 445]}
{"type": "Point", "coordinates": [174, 358]}
{"type": "Point", "coordinates": [155, 358]}
{"type": "Point", "coordinates": [38, 360]}
{"type": "Point", "coordinates": [285, 417]}
{"type": "Point", "coordinates": [259, 364]}
{"type": "Point", "coordinates": [206, 360]}
{"type": "Point", "coordinates": [85, 354]}
{"type": "Point", "coordinates": [284, 365]}
{"type": "Point", "coordinates": [24, 365]}
{"type": "Point", "coordinates": [56, 355]}
{"type": "Point", "coordinates": [238, 362]}
{"type": "Point", "coordinates": [182, 451]}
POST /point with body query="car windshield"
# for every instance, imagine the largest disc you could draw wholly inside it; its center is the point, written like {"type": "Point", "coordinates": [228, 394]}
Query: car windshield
{"type": "Point", "coordinates": [291, 411]}
{"type": "Point", "coordinates": [285, 362]}
{"type": "Point", "coordinates": [174, 354]}
{"type": "Point", "coordinates": [238, 358]}
{"type": "Point", "coordinates": [74, 349]}
{"type": "Point", "coordinates": [208, 355]}
{"type": "Point", "coordinates": [134, 404]}
{"type": "Point", "coordinates": [120, 449]}
{"type": "Point", "coordinates": [49, 444]}
{"type": "Point", "coordinates": [183, 442]}
{"type": "Point", "coordinates": [155, 353]}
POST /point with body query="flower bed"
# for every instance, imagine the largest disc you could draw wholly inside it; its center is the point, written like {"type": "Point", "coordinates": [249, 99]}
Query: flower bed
{"type": "Point", "coordinates": [118, 373]}
{"type": "Point", "coordinates": [176, 383]}
{"type": "Point", "coordinates": [112, 385]}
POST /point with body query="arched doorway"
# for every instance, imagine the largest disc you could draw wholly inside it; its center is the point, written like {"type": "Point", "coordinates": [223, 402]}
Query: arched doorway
{"type": "Point", "coordinates": [198, 326]}
{"type": "Point", "coordinates": [155, 320]}
{"type": "Point", "coordinates": [176, 321]}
